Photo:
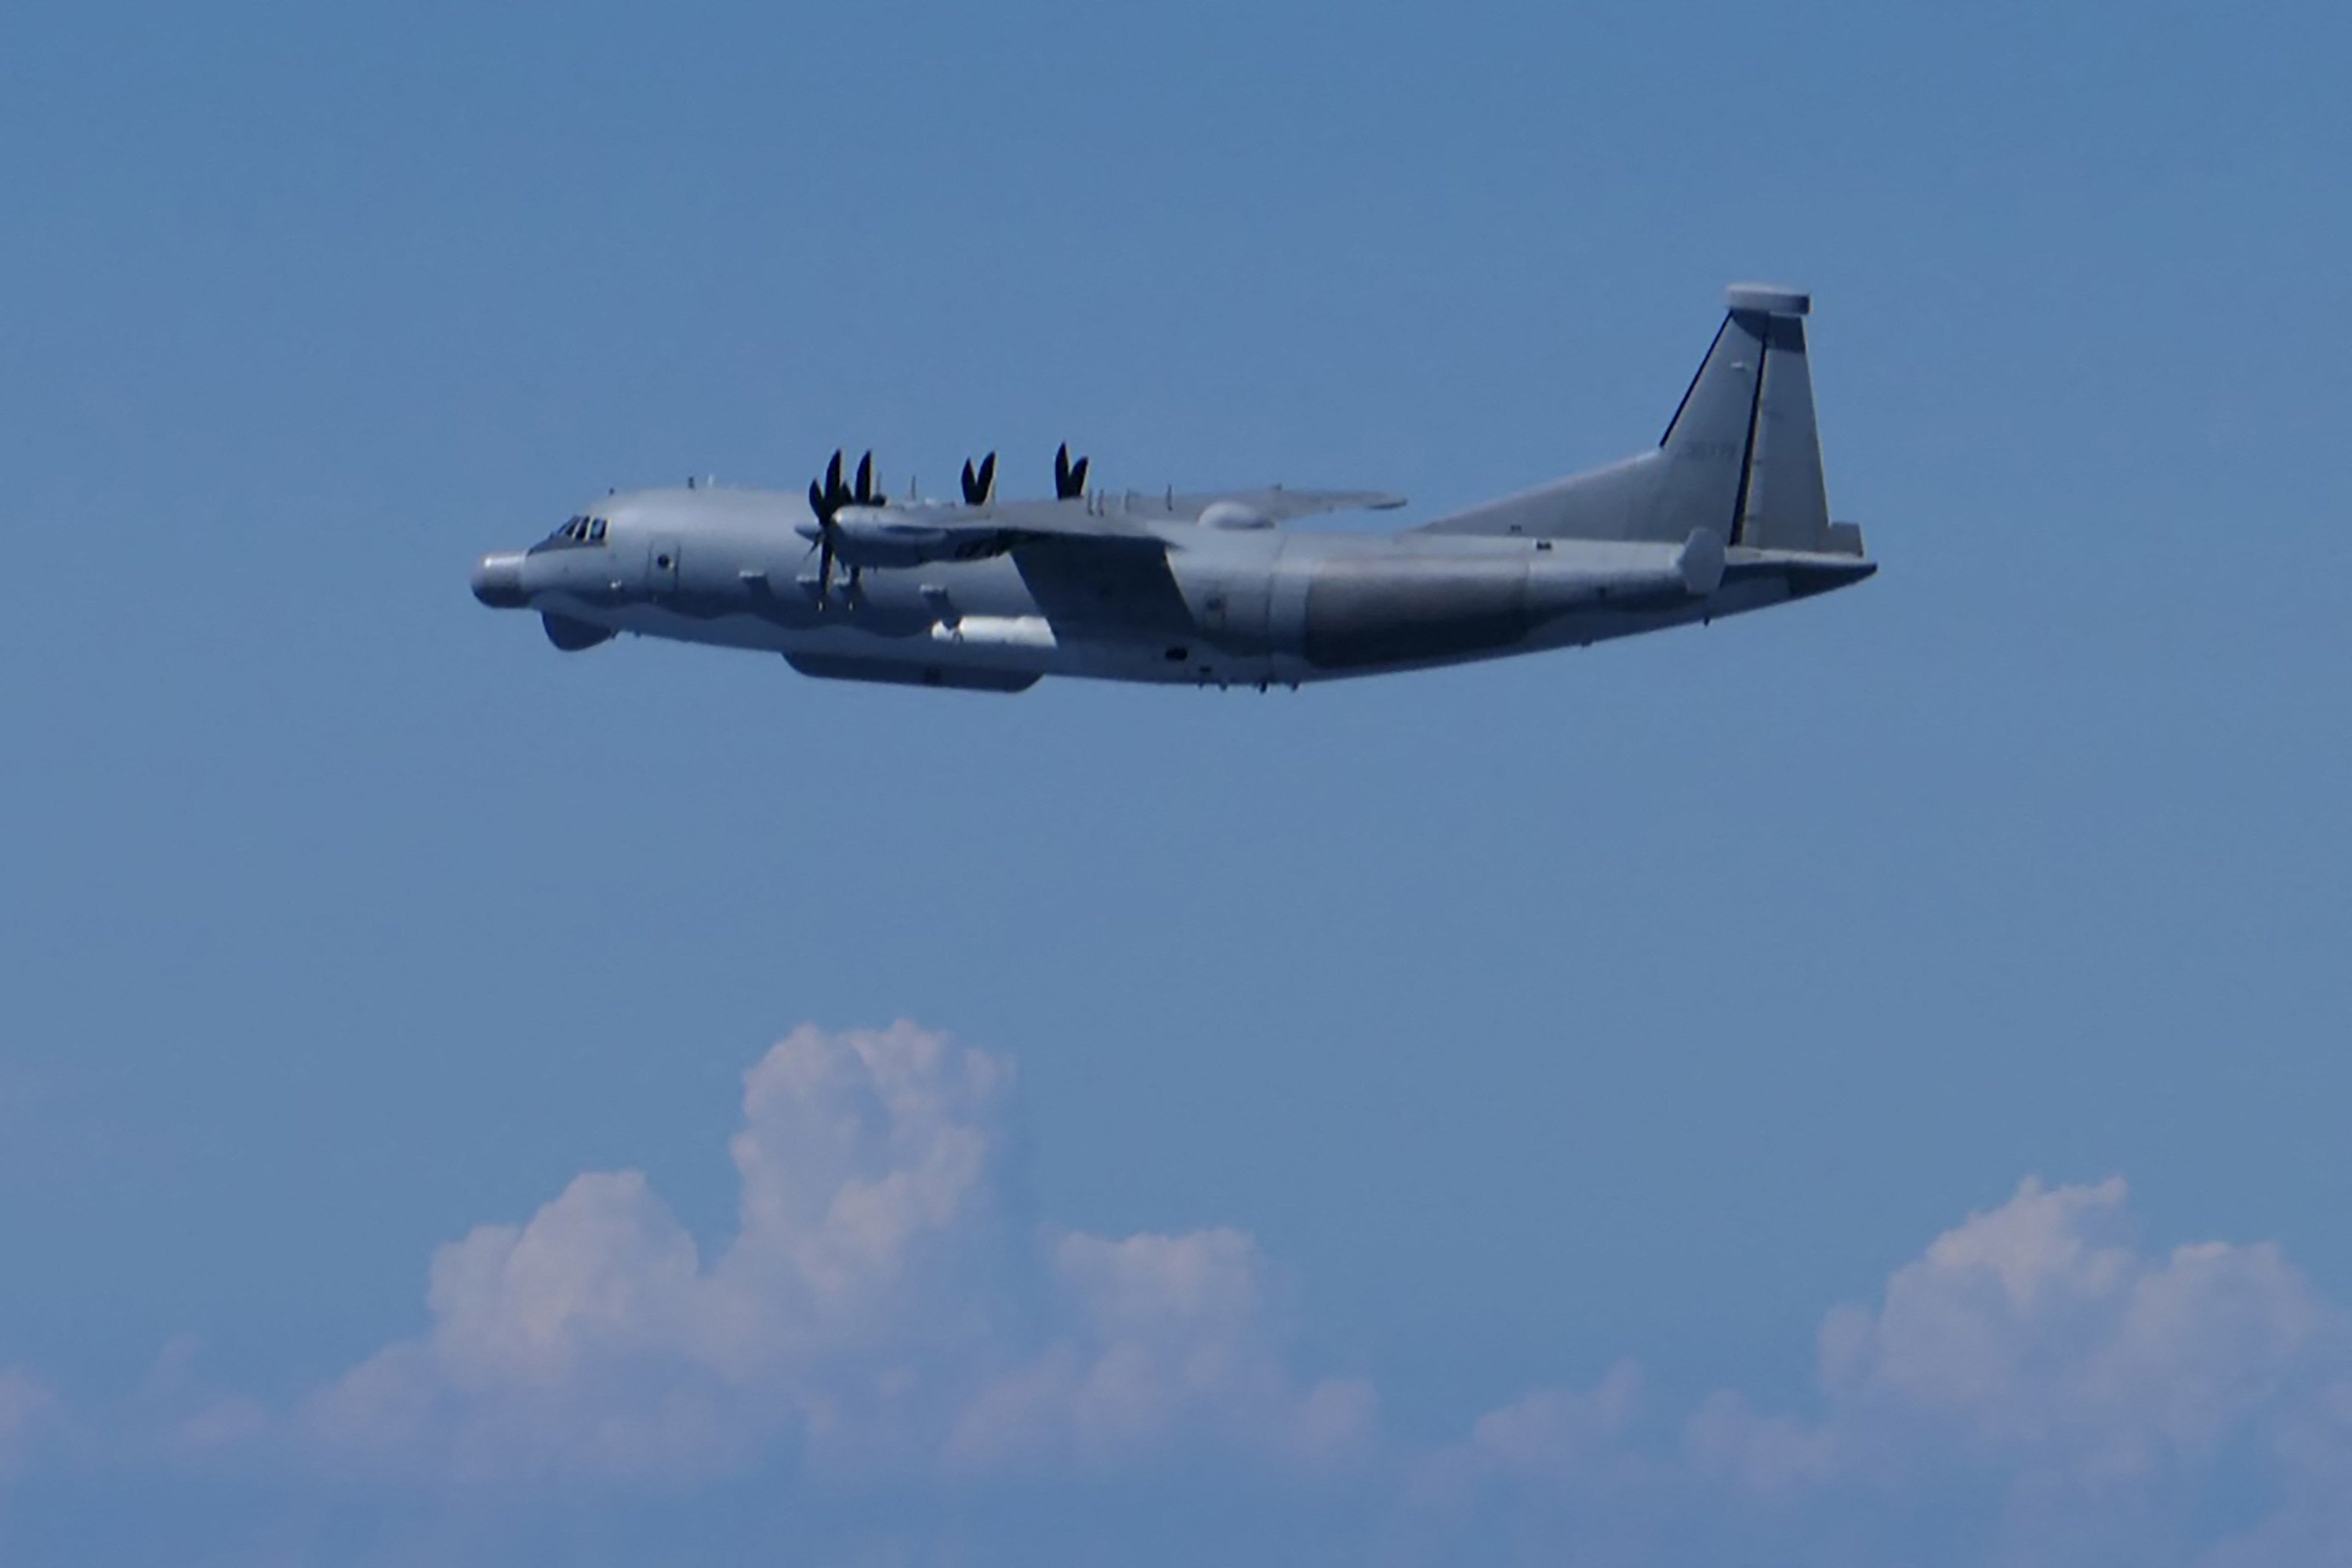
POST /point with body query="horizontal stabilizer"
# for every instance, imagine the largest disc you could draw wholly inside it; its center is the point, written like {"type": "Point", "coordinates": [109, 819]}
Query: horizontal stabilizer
{"type": "Point", "coordinates": [1701, 562]}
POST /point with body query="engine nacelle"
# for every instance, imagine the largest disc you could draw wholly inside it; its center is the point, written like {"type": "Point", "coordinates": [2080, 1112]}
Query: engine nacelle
{"type": "Point", "coordinates": [1235, 515]}
{"type": "Point", "coordinates": [863, 543]}
{"type": "Point", "coordinates": [863, 537]}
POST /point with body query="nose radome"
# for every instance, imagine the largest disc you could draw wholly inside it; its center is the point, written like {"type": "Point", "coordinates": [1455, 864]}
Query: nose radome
{"type": "Point", "coordinates": [497, 582]}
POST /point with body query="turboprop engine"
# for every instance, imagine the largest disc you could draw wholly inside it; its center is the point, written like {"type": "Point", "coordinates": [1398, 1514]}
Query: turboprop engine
{"type": "Point", "coordinates": [881, 537]}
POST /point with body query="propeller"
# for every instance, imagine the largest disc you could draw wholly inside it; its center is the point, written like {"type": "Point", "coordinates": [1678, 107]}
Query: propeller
{"type": "Point", "coordinates": [1069, 478]}
{"type": "Point", "coordinates": [980, 484]}
{"type": "Point", "coordinates": [827, 498]}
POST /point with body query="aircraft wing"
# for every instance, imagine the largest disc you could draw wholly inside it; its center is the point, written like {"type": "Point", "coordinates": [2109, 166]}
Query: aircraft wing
{"type": "Point", "coordinates": [907, 536]}
{"type": "Point", "coordinates": [1089, 567]}
{"type": "Point", "coordinates": [1098, 526]}
{"type": "Point", "coordinates": [1094, 563]}
{"type": "Point", "coordinates": [1020, 522]}
{"type": "Point", "coordinates": [1112, 513]}
{"type": "Point", "coordinates": [1104, 584]}
{"type": "Point", "coordinates": [1274, 503]}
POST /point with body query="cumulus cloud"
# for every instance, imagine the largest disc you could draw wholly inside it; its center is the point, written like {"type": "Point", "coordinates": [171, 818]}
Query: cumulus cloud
{"type": "Point", "coordinates": [26, 1405]}
{"type": "Point", "coordinates": [1559, 1432]}
{"type": "Point", "coordinates": [876, 1305]}
{"type": "Point", "coordinates": [2037, 1333]}
{"type": "Point", "coordinates": [2036, 1387]}
{"type": "Point", "coordinates": [1559, 1443]}
{"type": "Point", "coordinates": [2042, 1386]}
{"type": "Point", "coordinates": [1162, 1331]}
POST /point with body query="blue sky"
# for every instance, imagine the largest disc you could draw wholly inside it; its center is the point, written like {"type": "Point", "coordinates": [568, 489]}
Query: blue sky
{"type": "Point", "coordinates": [1627, 1009]}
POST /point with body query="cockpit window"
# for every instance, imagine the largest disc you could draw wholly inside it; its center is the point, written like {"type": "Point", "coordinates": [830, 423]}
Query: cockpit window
{"type": "Point", "coordinates": [582, 530]}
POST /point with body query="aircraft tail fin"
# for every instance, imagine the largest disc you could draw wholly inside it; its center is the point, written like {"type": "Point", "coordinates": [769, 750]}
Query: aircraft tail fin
{"type": "Point", "coordinates": [1754, 392]}
{"type": "Point", "coordinates": [1741, 458]}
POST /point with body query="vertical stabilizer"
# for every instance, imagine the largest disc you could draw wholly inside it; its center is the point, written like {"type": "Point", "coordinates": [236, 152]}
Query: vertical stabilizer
{"type": "Point", "coordinates": [1742, 454]}
{"type": "Point", "coordinates": [1783, 501]}
{"type": "Point", "coordinates": [1741, 458]}
{"type": "Point", "coordinates": [1701, 473]}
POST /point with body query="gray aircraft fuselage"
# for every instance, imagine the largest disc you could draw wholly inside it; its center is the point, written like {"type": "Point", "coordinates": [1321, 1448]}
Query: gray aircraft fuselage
{"type": "Point", "coordinates": [1727, 514]}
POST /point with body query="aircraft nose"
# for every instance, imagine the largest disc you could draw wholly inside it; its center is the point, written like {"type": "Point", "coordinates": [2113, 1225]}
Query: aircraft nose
{"type": "Point", "coordinates": [497, 582]}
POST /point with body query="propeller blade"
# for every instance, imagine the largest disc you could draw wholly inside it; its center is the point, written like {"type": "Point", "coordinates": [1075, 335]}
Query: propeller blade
{"type": "Point", "coordinates": [987, 480]}
{"type": "Point", "coordinates": [864, 491]}
{"type": "Point", "coordinates": [823, 566]}
{"type": "Point", "coordinates": [970, 485]}
{"type": "Point", "coordinates": [1069, 478]}
{"type": "Point", "coordinates": [832, 474]}
{"type": "Point", "coordinates": [816, 502]}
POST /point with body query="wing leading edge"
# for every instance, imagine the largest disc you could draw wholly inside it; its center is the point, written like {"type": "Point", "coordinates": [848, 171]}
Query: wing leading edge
{"type": "Point", "coordinates": [883, 536]}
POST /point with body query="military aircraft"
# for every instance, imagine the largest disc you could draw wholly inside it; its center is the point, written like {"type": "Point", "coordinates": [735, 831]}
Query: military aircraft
{"type": "Point", "coordinates": [1728, 513]}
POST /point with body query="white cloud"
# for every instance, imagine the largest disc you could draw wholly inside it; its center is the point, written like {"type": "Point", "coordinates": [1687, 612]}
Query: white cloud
{"type": "Point", "coordinates": [2036, 1387]}
{"type": "Point", "coordinates": [874, 1305]}
{"type": "Point", "coordinates": [1164, 1334]}
{"type": "Point", "coordinates": [2041, 1387]}
{"type": "Point", "coordinates": [1560, 1433]}
{"type": "Point", "coordinates": [2037, 1335]}
{"type": "Point", "coordinates": [26, 1405]}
